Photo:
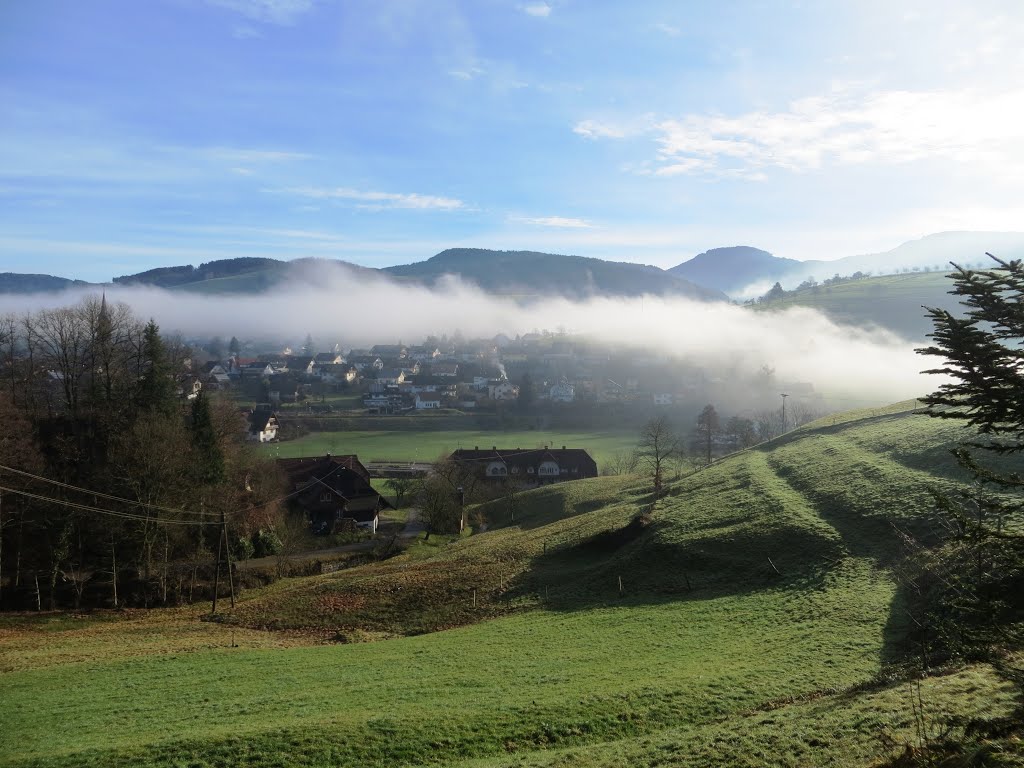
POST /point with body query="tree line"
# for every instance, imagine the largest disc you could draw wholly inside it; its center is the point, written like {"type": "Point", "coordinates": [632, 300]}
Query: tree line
{"type": "Point", "coordinates": [113, 481]}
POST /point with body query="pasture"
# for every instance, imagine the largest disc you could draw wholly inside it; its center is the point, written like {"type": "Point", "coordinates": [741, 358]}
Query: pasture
{"type": "Point", "coordinates": [747, 617]}
{"type": "Point", "coordinates": [408, 445]}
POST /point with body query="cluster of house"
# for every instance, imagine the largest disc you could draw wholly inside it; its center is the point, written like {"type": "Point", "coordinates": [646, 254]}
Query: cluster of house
{"type": "Point", "coordinates": [477, 375]}
{"type": "Point", "coordinates": [335, 492]}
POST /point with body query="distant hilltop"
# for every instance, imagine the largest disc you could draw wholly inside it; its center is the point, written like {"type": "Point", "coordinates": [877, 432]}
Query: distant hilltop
{"type": "Point", "coordinates": [520, 273]}
{"type": "Point", "coordinates": [743, 271]}
{"type": "Point", "coordinates": [718, 274]}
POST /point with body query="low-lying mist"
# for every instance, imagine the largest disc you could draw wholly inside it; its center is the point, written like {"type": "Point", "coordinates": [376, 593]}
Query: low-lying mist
{"type": "Point", "coordinates": [846, 364]}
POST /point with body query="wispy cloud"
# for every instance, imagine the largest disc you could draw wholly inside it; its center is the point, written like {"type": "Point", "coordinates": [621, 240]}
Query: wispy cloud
{"type": "Point", "coordinates": [843, 128]}
{"type": "Point", "coordinates": [466, 73]}
{"type": "Point", "coordinates": [371, 199]}
{"type": "Point", "coordinates": [668, 29]}
{"type": "Point", "coordinates": [282, 12]}
{"type": "Point", "coordinates": [541, 10]}
{"type": "Point", "coordinates": [251, 155]}
{"type": "Point", "coordinates": [556, 222]}
{"type": "Point", "coordinates": [245, 32]}
{"type": "Point", "coordinates": [596, 129]}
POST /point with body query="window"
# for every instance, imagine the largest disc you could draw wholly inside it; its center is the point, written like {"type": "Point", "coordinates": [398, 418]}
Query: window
{"type": "Point", "coordinates": [326, 496]}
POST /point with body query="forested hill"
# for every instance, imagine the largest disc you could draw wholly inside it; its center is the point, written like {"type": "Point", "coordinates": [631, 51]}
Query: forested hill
{"type": "Point", "coordinates": [13, 282]}
{"type": "Point", "coordinates": [503, 272]}
{"type": "Point", "coordinates": [531, 272]}
{"type": "Point", "coordinates": [172, 277]}
{"type": "Point", "coordinates": [731, 270]}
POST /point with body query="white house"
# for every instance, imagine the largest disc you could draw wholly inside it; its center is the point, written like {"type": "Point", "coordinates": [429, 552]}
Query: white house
{"type": "Point", "coordinates": [662, 398]}
{"type": "Point", "coordinates": [504, 390]}
{"type": "Point", "coordinates": [427, 402]}
{"type": "Point", "coordinates": [262, 427]}
{"type": "Point", "coordinates": [562, 392]}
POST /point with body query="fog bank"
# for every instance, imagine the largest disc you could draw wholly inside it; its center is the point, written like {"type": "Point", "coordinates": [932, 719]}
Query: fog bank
{"type": "Point", "coordinates": [801, 344]}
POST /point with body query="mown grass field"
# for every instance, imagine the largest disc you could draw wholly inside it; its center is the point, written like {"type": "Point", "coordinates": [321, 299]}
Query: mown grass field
{"type": "Point", "coordinates": [404, 445]}
{"type": "Point", "coordinates": [757, 623]}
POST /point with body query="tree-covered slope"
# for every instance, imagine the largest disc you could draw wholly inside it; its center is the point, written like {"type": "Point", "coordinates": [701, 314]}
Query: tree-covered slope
{"type": "Point", "coordinates": [13, 282]}
{"type": "Point", "coordinates": [531, 272]}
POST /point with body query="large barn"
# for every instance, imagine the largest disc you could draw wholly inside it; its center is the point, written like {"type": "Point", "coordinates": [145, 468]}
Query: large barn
{"type": "Point", "coordinates": [531, 466]}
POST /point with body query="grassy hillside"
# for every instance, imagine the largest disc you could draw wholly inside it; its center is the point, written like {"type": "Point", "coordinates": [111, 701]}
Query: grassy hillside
{"type": "Point", "coordinates": [755, 624]}
{"type": "Point", "coordinates": [891, 301]}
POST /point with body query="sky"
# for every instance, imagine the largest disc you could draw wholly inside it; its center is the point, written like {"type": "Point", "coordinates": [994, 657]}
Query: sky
{"type": "Point", "coordinates": [136, 135]}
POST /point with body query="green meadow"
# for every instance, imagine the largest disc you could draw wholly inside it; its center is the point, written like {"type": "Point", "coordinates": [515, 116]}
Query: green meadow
{"type": "Point", "coordinates": [890, 301]}
{"type": "Point", "coordinates": [747, 617]}
{"type": "Point", "coordinates": [408, 445]}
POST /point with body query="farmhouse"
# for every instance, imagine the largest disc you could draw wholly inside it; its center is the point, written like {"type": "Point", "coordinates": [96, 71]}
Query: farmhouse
{"type": "Point", "coordinates": [262, 426]}
{"type": "Point", "coordinates": [537, 466]}
{"type": "Point", "coordinates": [334, 492]}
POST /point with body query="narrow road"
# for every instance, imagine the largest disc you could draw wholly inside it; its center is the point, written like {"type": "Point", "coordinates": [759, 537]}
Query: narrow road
{"type": "Point", "coordinates": [412, 528]}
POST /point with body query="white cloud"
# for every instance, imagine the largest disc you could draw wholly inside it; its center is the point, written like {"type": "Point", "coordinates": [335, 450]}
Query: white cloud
{"type": "Point", "coordinates": [668, 29]}
{"type": "Point", "coordinates": [594, 129]}
{"type": "Point", "coordinates": [282, 12]}
{"type": "Point", "coordinates": [541, 10]}
{"type": "Point", "coordinates": [966, 126]}
{"type": "Point", "coordinates": [557, 222]}
{"type": "Point", "coordinates": [369, 199]}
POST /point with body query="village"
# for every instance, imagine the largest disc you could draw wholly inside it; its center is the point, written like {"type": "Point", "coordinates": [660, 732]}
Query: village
{"type": "Point", "coordinates": [557, 375]}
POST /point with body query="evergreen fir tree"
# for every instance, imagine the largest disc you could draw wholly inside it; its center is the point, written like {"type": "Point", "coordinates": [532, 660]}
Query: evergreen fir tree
{"type": "Point", "coordinates": [981, 567]}
{"type": "Point", "coordinates": [209, 457]}
{"type": "Point", "coordinates": [156, 390]}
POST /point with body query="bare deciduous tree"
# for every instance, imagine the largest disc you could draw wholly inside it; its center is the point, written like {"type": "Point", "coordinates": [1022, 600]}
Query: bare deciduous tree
{"type": "Point", "coordinates": [658, 443]}
{"type": "Point", "coordinates": [622, 463]}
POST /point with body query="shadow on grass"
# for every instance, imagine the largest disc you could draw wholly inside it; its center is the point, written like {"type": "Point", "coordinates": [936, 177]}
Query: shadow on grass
{"type": "Point", "coordinates": [587, 573]}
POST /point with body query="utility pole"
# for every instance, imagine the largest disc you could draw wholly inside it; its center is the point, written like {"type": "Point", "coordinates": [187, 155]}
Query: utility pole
{"type": "Point", "coordinates": [216, 574]}
{"type": "Point", "coordinates": [784, 396]}
{"type": "Point", "coordinates": [227, 555]}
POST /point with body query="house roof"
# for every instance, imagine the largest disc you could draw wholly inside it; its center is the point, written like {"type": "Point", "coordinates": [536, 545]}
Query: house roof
{"type": "Point", "coordinates": [259, 420]}
{"type": "Point", "coordinates": [343, 476]}
{"type": "Point", "coordinates": [301, 470]}
{"type": "Point", "coordinates": [566, 458]}
{"type": "Point", "coordinates": [388, 350]}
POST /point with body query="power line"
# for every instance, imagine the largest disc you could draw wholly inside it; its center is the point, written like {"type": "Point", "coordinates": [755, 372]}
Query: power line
{"type": "Point", "coordinates": [145, 505]}
{"type": "Point", "coordinates": [99, 510]}
{"type": "Point", "coordinates": [98, 494]}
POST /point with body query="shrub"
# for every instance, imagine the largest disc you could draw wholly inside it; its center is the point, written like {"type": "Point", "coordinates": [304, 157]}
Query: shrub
{"type": "Point", "coordinates": [266, 542]}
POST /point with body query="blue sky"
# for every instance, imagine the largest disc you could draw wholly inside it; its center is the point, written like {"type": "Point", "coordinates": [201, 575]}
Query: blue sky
{"type": "Point", "coordinates": [135, 135]}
